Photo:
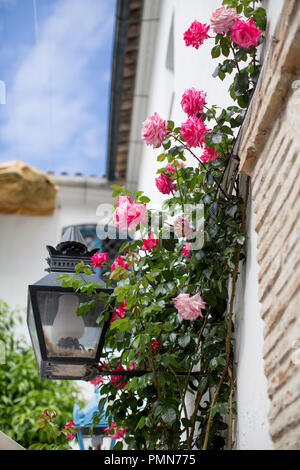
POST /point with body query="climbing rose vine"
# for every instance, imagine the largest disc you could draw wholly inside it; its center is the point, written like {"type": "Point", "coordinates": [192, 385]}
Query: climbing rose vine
{"type": "Point", "coordinates": [171, 311]}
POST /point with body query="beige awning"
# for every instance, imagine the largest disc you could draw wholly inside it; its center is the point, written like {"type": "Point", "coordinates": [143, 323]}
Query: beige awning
{"type": "Point", "coordinates": [26, 190]}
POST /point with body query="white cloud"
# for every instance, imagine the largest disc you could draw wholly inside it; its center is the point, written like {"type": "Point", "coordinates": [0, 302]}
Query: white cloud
{"type": "Point", "coordinates": [49, 101]}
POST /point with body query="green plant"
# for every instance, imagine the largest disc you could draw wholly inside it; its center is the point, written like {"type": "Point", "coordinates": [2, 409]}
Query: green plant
{"type": "Point", "coordinates": [24, 396]}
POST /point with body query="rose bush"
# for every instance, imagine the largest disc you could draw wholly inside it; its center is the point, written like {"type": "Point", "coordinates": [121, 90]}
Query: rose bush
{"type": "Point", "coordinates": [179, 307]}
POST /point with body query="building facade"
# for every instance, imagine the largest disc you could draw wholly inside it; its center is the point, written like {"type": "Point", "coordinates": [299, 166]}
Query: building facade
{"type": "Point", "coordinates": [156, 60]}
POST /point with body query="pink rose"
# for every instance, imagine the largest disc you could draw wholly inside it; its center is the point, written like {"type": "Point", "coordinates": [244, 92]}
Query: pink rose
{"type": "Point", "coordinates": [117, 433]}
{"type": "Point", "coordinates": [193, 101]}
{"type": "Point", "coordinates": [116, 379]}
{"type": "Point", "coordinates": [121, 309]}
{"type": "Point", "coordinates": [132, 366]}
{"type": "Point", "coordinates": [154, 130]}
{"type": "Point", "coordinates": [71, 436]}
{"type": "Point", "coordinates": [129, 214]}
{"type": "Point", "coordinates": [155, 344]}
{"type": "Point", "coordinates": [136, 214]}
{"type": "Point", "coordinates": [98, 380]}
{"type": "Point", "coordinates": [121, 212]}
{"type": "Point", "coordinates": [193, 131]}
{"type": "Point", "coordinates": [165, 184]}
{"type": "Point", "coordinates": [149, 243]}
{"type": "Point", "coordinates": [196, 34]}
{"type": "Point", "coordinates": [119, 312]}
{"type": "Point", "coordinates": [98, 259]}
{"type": "Point", "coordinates": [119, 262]}
{"type": "Point", "coordinates": [223, 19]}
{"type": "Point", "coordinates": [172, 169]}
{"type": "Point", "coordinates": [209, 155]}
{"type": "Point", "coordinates": [189, 308]}
{"type": "Point", "coordinates": [245, 34]}
{"type": "Point", "coordinates": [102, 366]}
{"type": "Point", "coordinates": [182, 227]}
{"type": "Point", "coordinates": [186, 250]}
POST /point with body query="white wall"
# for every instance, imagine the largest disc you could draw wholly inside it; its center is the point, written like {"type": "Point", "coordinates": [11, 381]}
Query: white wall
{"type": "Point", "coordinates": [252, 427]}
{"type": "Point", "coordinates": [163, 89]}
{"type": "Point", "coordinates": [162, 93]}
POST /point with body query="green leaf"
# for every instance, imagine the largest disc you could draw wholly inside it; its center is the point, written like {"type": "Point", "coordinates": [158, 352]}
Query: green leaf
{"type": "Point", "coordinates": [161, 157]}
{"type": "Point", "coordinates": [243, 101]}
{"type": "Point", "coordinates": [166, 143]}
{"type": "Point", "coordinates": [170, 126]}
{"type": "Point", "coordinates": [141, 423]}
{"type": "Point", "coordinates": [259, 17]}
{"type": "Point", "coordinates": [122, 324]}
{"type": "Point", "coordinates": [241, 83]}
{"type": "Point", "coordinates": [85, 307]}
{"type": "Point", "coordinates": [144, 199]}
{"type": "Point", "coordinates": [118, 446]}
{"type": "Point", "coordinates": [227, 130]}
{"type": "Point", "coordinates": [213, 210]}
{"type": "Point", "coordinates": [169, 416]}
{"type": "Point", "coordinates": [221, 408]}
{"type": "Point", "coordinates": [221, 74]}
{"type": "Point", "coordinates": [225, 46]}
{"type": "Point", "coordinates": [169, 243]}
{"type": "Point", "coordinates": [118, 188]}
{"type": "Point", "coordinates": [215, 52]}
{"type": "Point", "coordinates": [184, 341]}
{"type": "Point", "coordinates": [240, 239]}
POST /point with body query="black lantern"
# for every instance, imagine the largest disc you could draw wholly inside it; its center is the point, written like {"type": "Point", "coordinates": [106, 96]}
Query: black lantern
{"type": "Point", "coordinates": [66, 346]}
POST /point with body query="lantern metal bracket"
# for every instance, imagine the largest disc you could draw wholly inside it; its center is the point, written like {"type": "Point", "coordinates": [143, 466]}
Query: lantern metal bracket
{"type": "Point", "coordinates": [94, 371]}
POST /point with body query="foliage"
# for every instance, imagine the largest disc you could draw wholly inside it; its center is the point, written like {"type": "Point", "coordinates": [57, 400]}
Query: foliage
{"type": "Point", "coordinates": [152, 407]}
{"type": "Point", "coordinates": [24, 395]}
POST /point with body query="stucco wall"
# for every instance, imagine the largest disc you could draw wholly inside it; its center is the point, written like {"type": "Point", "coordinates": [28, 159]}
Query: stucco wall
{"type": "Point", "coordinates": [252, 426]}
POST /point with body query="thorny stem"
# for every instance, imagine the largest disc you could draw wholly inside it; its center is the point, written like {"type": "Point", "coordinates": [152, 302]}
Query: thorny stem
{"type": "Point", "coordinates": [180, 191]}
{"type": "Point", "coordinates": [197, 346]}
{"type": "Point", "coordinates": [232, 387]}
{"type": "Point", "coordinates": [237, 63]}
{"type": "Point", "coordinates": [199, 393]}
{"type": "Point", "coordinates": [227, 149]}
{"type": "Point", "coordinates": [229, 327]}
{"type": "Point", "coordinates": [201, 164]}
{"type": "Point", "coordinates": [182, 402]}
{"type": "Point", "coordinates": [157, 387]}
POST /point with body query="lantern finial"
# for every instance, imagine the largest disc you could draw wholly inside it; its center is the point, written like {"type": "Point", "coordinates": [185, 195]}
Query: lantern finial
{"type": "Point", "coordinates": [72, 242]}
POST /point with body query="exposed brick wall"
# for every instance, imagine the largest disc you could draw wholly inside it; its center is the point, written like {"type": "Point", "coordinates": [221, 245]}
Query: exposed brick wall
{"type": "Point", "coordinates": [269, 148]}
{"type": "Point", "coordinates": [276, 191]}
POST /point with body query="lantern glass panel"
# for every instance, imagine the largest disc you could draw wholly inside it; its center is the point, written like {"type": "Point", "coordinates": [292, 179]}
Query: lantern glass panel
{"type": "Point", "coordinates": [97, 441]}
{"type": "Point", "coordinates": [67, 334]}
{"type": "Point", "coordinates": [68, 370]}
{"type": "Point", "coordinates": [33, 334]}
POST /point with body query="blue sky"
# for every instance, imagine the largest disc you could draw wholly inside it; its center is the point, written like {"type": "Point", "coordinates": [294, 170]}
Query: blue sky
{"type": "Point", "coordinates": [56, 66]}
